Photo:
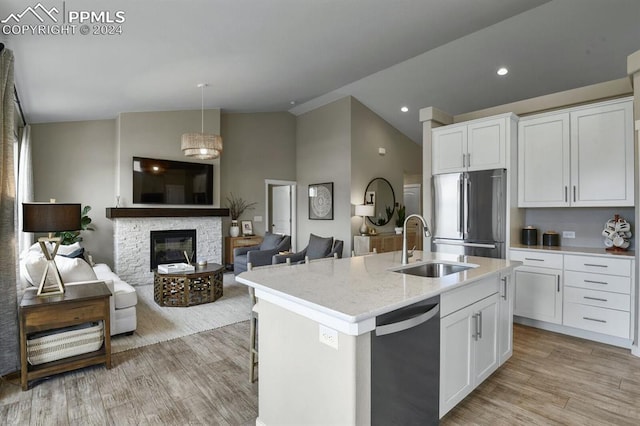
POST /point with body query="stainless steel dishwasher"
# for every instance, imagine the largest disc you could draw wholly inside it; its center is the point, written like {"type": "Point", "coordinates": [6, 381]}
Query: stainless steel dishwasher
{"type": "Point", "coordinates": [405, 365]}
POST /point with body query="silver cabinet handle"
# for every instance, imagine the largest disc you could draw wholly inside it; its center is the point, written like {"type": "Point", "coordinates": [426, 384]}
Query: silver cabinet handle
{"type": "Point", "coordinates": [596, 282]}
{"type": "Point", "coordinates": [558, 281]}
{"type": "Point", "coordinates": [595, 265]}
{"type": "Point", "coordinates": [533, 258]}
{"type": "Point", "coordinates": [594, 319]}
{"type": "Point", "coordinates": [475, 326]}
{"type": "Point", "coordinates": [504, 293]}
{"type": "Point", "coordinates": [565, 194]}
{"type": "Point", "coordinates": [594, 298]}
{"type": "Point", "coordinates": [480, 324]}
{"type": "Point", "coordinates": [574, 193]}
{"type": "Point", "coordinates": [468, 160]}
{"type": "Point", "coordinates": [464, 157]}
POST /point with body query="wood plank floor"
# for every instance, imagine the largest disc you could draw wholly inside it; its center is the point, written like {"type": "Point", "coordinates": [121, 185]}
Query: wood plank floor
{"type": "Point", "coordinates": [203, 379]}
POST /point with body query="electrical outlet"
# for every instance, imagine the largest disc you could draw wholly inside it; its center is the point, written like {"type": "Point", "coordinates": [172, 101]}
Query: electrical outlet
{"type": "Point", "coordinates": [568, 234]}
{"type": "Point", "coordinates": [328, 336]}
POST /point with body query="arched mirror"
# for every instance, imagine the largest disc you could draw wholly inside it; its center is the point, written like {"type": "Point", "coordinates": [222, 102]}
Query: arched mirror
{"type": "Point", "coordinates": [380, 193]}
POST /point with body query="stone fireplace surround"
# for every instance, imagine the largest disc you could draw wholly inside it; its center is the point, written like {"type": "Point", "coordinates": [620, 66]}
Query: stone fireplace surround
{"type": "Point", "coordinates": [132, 229]}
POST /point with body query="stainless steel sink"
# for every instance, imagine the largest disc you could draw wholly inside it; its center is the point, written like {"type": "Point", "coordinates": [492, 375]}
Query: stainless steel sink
{"type": "Point", "coordinates": [433, 270]}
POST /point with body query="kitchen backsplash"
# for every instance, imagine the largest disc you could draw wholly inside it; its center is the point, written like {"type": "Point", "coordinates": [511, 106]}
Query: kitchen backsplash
{"type": "Point", "coordinates": [587, 223]}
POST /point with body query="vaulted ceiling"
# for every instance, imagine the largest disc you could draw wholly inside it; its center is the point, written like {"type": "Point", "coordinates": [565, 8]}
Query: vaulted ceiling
{"type": "Point", "coordinates": [262, 55]}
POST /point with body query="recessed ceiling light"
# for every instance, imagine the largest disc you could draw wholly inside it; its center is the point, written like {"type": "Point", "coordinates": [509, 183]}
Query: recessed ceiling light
{"type": "Point", "coordinates": [502, 71]}
{"type": "Point", "coordinates": [404, 109]}
{"type": "Point", "coordinates": [292, 102]}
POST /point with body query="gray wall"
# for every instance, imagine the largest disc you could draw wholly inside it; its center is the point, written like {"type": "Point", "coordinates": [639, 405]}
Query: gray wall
{"type": "Point", "coordinates": [256, 147]}
{"type": "Point", "coordinates": [403, 157]}
{"type": "Point", "coordinates": [74, 162]}
{"type": "Point", "coordinates": [323, 154]}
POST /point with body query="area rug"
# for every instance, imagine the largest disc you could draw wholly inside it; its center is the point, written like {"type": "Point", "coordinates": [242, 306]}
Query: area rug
{"type": "Point", "coordinates": [159, 324]}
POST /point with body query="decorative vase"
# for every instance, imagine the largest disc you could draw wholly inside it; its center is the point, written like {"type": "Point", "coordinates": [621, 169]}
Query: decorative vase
{"type": "Point", "coordinates": [398, 230]}
{"type": "Point", "coordinates": [234, 230]}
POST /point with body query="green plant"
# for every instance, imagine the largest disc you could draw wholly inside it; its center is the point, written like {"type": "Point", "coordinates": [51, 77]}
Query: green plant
{"type": "Point", "coordinates": [389, 210]}
{"type": "Point", "coordinates": [70, 237]}
{"type": "Point", "coordinates": [402, 212]}
{"type": "Point", "coordinates": [237, 206]}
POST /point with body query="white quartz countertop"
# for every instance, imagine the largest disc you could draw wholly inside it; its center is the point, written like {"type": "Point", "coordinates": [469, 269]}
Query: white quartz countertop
{"type": "Point", "coordinates": [576, 250]}
{"type": "Point", "coordinates": [349, 293]}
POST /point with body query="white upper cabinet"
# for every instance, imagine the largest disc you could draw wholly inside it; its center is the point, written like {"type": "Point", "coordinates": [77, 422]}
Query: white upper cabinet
{"type": "Point", "coordinates": [602, 156]}
{"type": "Point", "coordinates": [543, 161]}
{"type": "Point", "coordinates": [474, 145]}
{"type": "Point", "coordinates": [582, 157]}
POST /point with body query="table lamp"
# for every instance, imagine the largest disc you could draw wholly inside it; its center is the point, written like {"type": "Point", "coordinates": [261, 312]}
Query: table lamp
{"type": "Point", "coordinates": [365, 210]}
{"type": "Point", "coordinates": [50, 217]}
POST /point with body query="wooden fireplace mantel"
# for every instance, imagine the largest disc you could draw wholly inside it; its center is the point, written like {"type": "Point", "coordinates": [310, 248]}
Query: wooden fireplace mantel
{"type": "Point", "coordinates": [142, 212]}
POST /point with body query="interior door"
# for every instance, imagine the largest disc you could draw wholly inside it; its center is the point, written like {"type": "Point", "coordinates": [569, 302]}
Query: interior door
{"type": "Point", "coordinates": [281, 210]}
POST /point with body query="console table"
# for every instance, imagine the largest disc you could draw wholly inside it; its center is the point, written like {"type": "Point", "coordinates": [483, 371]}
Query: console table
{"type": "Point", "coordinates": [203, 285]}
{"type": "Point", "coordinates": [79, 304]}
{"type": "Point", "coordinates": [234, 242]}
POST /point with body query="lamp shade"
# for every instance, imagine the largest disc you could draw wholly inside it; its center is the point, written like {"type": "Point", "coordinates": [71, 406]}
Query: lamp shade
{"type": "Point", "coordinates": [51, 217]}
{"type": "Point", "coordinates": [205, 146]}
{"type": "Point", "coordinates": [365, 210]}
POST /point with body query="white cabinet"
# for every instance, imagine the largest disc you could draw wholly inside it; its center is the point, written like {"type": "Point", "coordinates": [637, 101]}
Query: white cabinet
{"type": "Point", "coordinates": [474, 145]}
{"type": "Point", "coordinates": [538, 288]}
{"type": "Point", "coordinates": [469, 339]}
{"type": "Point", "coordinates": [598, 295]}
{"type": "Point", "coordinates": [580, 157]}
{"type": "Point", "coordinates": [505, 318]}
{"type": "Point", "coordinates": [543, 161]}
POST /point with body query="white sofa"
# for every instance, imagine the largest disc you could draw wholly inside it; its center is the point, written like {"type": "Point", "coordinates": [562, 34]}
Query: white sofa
{"type": "Point", "coordinates": [74, 270]}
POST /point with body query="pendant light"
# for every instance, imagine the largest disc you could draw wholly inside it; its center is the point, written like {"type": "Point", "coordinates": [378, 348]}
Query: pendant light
{"type": "Point", "coordinates": [204, 146]}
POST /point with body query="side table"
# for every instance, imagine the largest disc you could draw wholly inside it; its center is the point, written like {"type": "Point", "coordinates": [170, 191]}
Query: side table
{"type": "Point", "coordinates": [80, 303]}
{"type": "Point", "coordinates": [203, 285]}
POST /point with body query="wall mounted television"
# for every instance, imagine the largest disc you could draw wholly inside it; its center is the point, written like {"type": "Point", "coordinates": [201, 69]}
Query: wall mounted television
{"type": "Point", "coordinates": [157, 181]}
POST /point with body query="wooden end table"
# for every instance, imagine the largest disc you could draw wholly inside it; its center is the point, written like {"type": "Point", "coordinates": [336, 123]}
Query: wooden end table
{"type": "Point", "coordinates": [204, 285]}
{"type": "Point", "coordinates": [79, 304]}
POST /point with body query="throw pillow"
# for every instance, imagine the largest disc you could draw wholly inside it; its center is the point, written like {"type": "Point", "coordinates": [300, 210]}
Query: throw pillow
{"type": "Point", "coordinates": [71, 250]}
{"type": "Point", "coordinates": [71, 270]}
{"type": "Point", "coordinates": [270, 241]}
{"type": "Point", "coordinates": [319, 247]}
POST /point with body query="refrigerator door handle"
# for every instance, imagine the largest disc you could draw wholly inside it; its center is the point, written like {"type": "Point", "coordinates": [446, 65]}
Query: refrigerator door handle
{"type": "Point", "coordinates": [467, 191]}
{"type": "Point", "coordinates": [461, 205]}
{"type": "Point", "coordinates": [461, 243]}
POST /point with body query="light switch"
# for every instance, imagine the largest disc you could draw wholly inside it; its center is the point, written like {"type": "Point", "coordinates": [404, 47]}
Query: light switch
{"type": "Point", "coordinates": [257, 218]}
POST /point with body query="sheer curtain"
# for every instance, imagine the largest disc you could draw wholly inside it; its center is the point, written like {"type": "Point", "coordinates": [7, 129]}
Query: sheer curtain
{"type": "Point", "coordinates": [8, 263]}
{"type": "Point", "coordinates": [25, 187]}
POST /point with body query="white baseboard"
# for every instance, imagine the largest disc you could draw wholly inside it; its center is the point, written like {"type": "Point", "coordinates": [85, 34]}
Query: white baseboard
{"type": "Point", "coordinates": [576, 332]}
{"type": "Point", "coordinates": [635, 350]}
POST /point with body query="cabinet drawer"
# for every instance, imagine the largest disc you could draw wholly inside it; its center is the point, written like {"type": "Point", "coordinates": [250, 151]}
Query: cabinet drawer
{"type": "Point", "coordinates": [604, 282]}
{"type": "Point", "coordinates": [539, 259]}
{"type": "Point", "coordinates": [461, 297]}
{"type": "Point", "coordinates": [72, 313]}
{"type": "Point", "coordinates": [600, 320]}
{"type": "Point", "coordinates": [599, 265]}
{"type": "Point", "coordinates": [603, 299]}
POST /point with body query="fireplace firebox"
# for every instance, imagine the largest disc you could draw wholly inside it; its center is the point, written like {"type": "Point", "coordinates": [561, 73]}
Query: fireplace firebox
{"type": "Point", "coordinates": [169, 246]}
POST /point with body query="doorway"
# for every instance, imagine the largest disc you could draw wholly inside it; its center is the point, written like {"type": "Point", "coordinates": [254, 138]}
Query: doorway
{"type": "Point", "coordinates": [281, 208]}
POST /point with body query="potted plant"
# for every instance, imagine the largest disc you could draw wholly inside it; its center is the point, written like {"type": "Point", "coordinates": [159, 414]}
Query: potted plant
{"type": "Point", "coordinates": [70, 237]}
{"type": "Point", "coordinates": [402, 212]}
{"type": "Point", "coordinates": [237, 206]}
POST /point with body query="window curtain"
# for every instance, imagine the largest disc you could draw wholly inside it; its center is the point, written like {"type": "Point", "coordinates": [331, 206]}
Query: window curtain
{"type": "Point", "coordinates": [8, 264]}
{"type": "Point", "coordinates": [25, 187]}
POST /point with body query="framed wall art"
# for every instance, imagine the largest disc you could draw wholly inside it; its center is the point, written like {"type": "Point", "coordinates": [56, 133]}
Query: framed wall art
{"type": "Point", "coordinates": [321, 201]}
{"type": "Point", "coordinates": [247, 227]}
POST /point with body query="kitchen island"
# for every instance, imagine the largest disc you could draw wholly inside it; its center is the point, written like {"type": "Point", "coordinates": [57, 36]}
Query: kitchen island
{"type": "Point", "coordinates": [316, 321]}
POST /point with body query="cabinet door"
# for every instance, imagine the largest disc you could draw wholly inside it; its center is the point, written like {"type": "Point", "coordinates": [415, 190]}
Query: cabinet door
{"type": "Point", "coordinates": [449, 150]}
{"type": "Point", "coordinates": [543, 161]}
{"type": "Point", "coordinates": [456, 362]}
{"type": "Point", "coordinates": [602, 156]}
{"type": "Point", "coordinates": [505, 319]}
{"type": "Point", "coordinates": [486, 340]}
{"type": "Point", "coordinates": [486, 145]}
{"type": "Point", "coordinates": [538, 294]}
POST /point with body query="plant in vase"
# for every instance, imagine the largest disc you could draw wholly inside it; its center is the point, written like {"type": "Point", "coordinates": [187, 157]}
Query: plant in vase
{"type": "Point", "coordinates": [402, 212]}
{"type": "Point", "coordinates": [69, 237]}
{"type": "Point", "coordinates": [237, 206]}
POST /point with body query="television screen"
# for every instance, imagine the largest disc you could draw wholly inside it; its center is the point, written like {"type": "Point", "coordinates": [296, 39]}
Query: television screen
{"type": "Point", "coordinates": [158, 181]}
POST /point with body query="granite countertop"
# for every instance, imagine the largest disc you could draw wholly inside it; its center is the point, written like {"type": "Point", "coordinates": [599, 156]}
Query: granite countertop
{"type": "Point", "coordinates": [575, 250]}
{"type": "Point", "coordinates": [346, 292]}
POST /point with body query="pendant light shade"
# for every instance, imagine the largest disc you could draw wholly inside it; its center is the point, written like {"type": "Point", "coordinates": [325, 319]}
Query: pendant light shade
{"type": "Point", "coordinates": [204, 146]}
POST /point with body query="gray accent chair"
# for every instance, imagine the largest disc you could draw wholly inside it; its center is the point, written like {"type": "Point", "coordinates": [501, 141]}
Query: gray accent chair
{"type": "Point", "coordinates": [261, 254]}
{"type": "Point", "coordinates": [318, 248]}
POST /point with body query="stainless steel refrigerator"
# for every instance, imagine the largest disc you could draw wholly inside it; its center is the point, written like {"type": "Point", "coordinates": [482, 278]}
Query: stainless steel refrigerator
{"type": "Point", "coordinates": [470, 213]}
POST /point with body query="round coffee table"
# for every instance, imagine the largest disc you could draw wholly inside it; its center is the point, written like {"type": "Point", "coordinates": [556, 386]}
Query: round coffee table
{"type": "Point", "coordinates": [204, 285]}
